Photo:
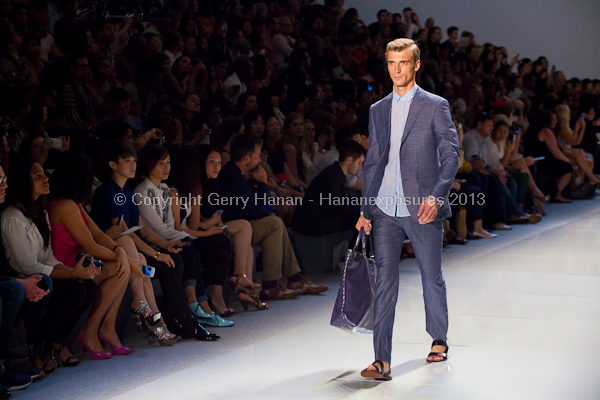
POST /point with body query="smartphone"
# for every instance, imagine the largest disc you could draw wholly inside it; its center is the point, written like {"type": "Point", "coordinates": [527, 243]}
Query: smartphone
{"type": "Point", "coordinates": [219, 213]}
{"type": "Point", "coordinates": [42, 284]}
{"type": "Point", "coordinates": [582, 116]}
{"type": "Point", "coordinates": [370, 88]}
{"type": "Point", "coordinates": [148, 271]}
{"type": "Point", "coordinates": [120, 220]}
{"type": "Point", "coordinates": [56, 143]}
{"type": "Point", "coordinates": [184, 244]}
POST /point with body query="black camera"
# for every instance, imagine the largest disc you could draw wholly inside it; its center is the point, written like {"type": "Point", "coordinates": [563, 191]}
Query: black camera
{"type": "Point", "coordinates": [88, 259]}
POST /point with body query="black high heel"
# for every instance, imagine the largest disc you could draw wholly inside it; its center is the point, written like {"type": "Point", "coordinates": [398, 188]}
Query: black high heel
{"type": "Point", "coordinates": [191, 329]}
{"type": "Point", "coordinates": [151, 318]}
{"type": "Point", "coordinates": [444, 355]}
{"type": "Point", "coordinates": [71, 361]}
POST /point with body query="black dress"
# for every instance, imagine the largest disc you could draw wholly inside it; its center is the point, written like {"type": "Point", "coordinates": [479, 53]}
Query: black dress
{"type": "Point", "coordinates": [550, 165]}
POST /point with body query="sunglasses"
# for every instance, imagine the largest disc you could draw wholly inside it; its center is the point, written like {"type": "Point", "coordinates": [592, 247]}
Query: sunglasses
{"type": "Point", "coordinates": [3, 179]}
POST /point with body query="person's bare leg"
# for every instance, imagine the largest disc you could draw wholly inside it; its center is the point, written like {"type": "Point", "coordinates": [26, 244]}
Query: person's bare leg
{"type": "Point", "coordinates": [190, 296]}
{"type": "Point", "coordinates": [478, 227]}
{"type": "Point", "coordinates": [583, 165]}
{"type": "Point", "coordinates": [107, 326]}
{"type": "Point", "coordinates": [109, 287]}
{"type": "Point", "coordinates": [561, 184]}
{"type": "Point", "coordinates": [533, 188]}
{"type": "Point", "coordinates": [217, 297]}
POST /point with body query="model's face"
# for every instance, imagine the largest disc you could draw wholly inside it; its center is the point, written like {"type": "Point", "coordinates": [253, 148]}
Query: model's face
{"type": "Point", "coordinates": [402, 67]}
{"type": "Point", "coordinates": [162, 169]}
{"type": "Point", "coordinates": [213, 165]}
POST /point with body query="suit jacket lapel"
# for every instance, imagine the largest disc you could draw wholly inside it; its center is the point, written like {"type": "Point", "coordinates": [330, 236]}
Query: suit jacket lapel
{"type": "Point", "coordinates": [415, 109]}
{"type": "Point", "coordinates": [386, 121]}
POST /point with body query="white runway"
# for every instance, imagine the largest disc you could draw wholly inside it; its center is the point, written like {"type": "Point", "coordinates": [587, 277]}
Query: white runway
{"type": "Point", "coordinates": [524, 324]}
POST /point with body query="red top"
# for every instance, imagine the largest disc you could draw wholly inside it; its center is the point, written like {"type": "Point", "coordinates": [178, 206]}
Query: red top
{"type": "Point", "coordinates": [65, 248]}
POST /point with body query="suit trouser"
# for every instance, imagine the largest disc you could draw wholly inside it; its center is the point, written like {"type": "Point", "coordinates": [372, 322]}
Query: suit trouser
{"type": "Point", "coordinates": [388, 235]}
{"type": "Point", "coordinates": [271, 235]}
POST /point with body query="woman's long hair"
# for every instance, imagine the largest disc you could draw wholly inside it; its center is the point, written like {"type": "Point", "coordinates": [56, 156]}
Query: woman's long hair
{"type": "Point", "coordinates": [72, 178]}
{"type": "Point", "coordinates": [185, 171]}
{"type": "Point", "coordinates": [19, 195]}
{"type": "Point", "coordinates": [208, 185]}
{"type": "Point", "coordinates": [563, 112]}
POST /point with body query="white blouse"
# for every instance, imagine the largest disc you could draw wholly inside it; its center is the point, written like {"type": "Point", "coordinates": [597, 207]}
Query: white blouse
{"type": "Point", "coordinates": [155, 209]}
{"type": "Point", "coordinates": [24, 244]}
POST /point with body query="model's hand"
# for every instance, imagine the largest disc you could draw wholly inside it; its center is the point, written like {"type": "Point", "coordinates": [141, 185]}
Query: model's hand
{"type": "Point", "coordinates": [365, 224]}
{"type": "Point", "coordinates": [428, 210]}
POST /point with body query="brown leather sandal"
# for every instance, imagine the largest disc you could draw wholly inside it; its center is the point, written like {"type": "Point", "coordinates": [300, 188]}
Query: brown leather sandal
{"type": "Point", "coordinates": [379, 374]}
{"type": "Point", "coordinates": [251, 290]}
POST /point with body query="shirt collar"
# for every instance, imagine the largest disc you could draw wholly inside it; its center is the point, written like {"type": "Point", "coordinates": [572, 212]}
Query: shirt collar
{"type": "Point", "coordinates": [408, 96]}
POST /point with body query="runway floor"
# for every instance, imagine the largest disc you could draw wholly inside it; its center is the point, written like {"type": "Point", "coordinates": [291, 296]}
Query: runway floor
{"type": "Point", "coordinates": [524, 324]}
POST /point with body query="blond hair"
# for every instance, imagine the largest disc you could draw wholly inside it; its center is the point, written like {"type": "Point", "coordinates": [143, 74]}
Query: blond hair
{"type": "Point", "coordinates": [563, 113]}
{"type": "Point", "coordinates": [403, 44]}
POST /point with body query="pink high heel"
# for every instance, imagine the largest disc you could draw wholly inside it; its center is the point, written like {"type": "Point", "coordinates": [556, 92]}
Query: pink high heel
{"type": "Point", "coordinates": [94, 355]}
{"type": "Point", "coordinates": [117, 350]}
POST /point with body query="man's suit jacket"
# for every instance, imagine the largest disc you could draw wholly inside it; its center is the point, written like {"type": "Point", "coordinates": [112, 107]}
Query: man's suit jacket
{"type": "Point", "coordinates": [428, 154]}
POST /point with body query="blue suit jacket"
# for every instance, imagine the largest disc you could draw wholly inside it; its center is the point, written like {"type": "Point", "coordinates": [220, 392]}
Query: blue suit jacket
{"type": "Point", "coordinates": [428, 154]}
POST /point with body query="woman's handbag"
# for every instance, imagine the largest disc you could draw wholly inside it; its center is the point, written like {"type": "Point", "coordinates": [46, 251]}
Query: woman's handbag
{"type": "Point", "coordinates": [353, 309]}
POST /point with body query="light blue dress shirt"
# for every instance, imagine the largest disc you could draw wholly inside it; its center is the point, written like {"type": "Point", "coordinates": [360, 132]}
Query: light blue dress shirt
{"type": "Point", "coordinates": [391, 194]}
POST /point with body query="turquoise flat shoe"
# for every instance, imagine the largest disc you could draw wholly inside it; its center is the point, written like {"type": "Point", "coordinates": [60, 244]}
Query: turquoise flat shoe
{"type": "Point", "coordinates": [209, 319]}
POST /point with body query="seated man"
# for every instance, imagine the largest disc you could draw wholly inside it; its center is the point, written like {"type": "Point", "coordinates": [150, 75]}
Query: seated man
{"type": "Point", "coordinates": [342, 136]}
{"type": "Point", "coordinates": [13, 293]}
{"type": "Point", "coordinates": [268, 231]}
{"type": "Point", "coordinates": [327, 207]}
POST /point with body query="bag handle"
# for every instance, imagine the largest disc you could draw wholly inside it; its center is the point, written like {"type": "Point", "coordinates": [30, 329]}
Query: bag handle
{"type": "Point", "coordinates": [361, 239]}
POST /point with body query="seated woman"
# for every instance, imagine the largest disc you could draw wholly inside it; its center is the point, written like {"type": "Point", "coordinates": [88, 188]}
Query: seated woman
{"type": "Point", "coordinates": [26, 239]}
{"type": "Point", "coordinates": [293, 146]}
{"type": "Point", "coordinates": [213, 242]}
{"type": "Point", "coordinates": [503, 156]}
{"type": "Point", "coordinates": [566, 138]}
{"type": "Point", "coordinates": [73, 231]}
{"type": "Point", "coordinates": [539, 141]}
{"type": "Point", "coordinates": [313, 151]}
{"type": "Point", "coordinates": [272, 145]}
{"type": "Point", "coordinates": [154, 202]}
{"type": "Point", "coordinates": [121, 159]}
